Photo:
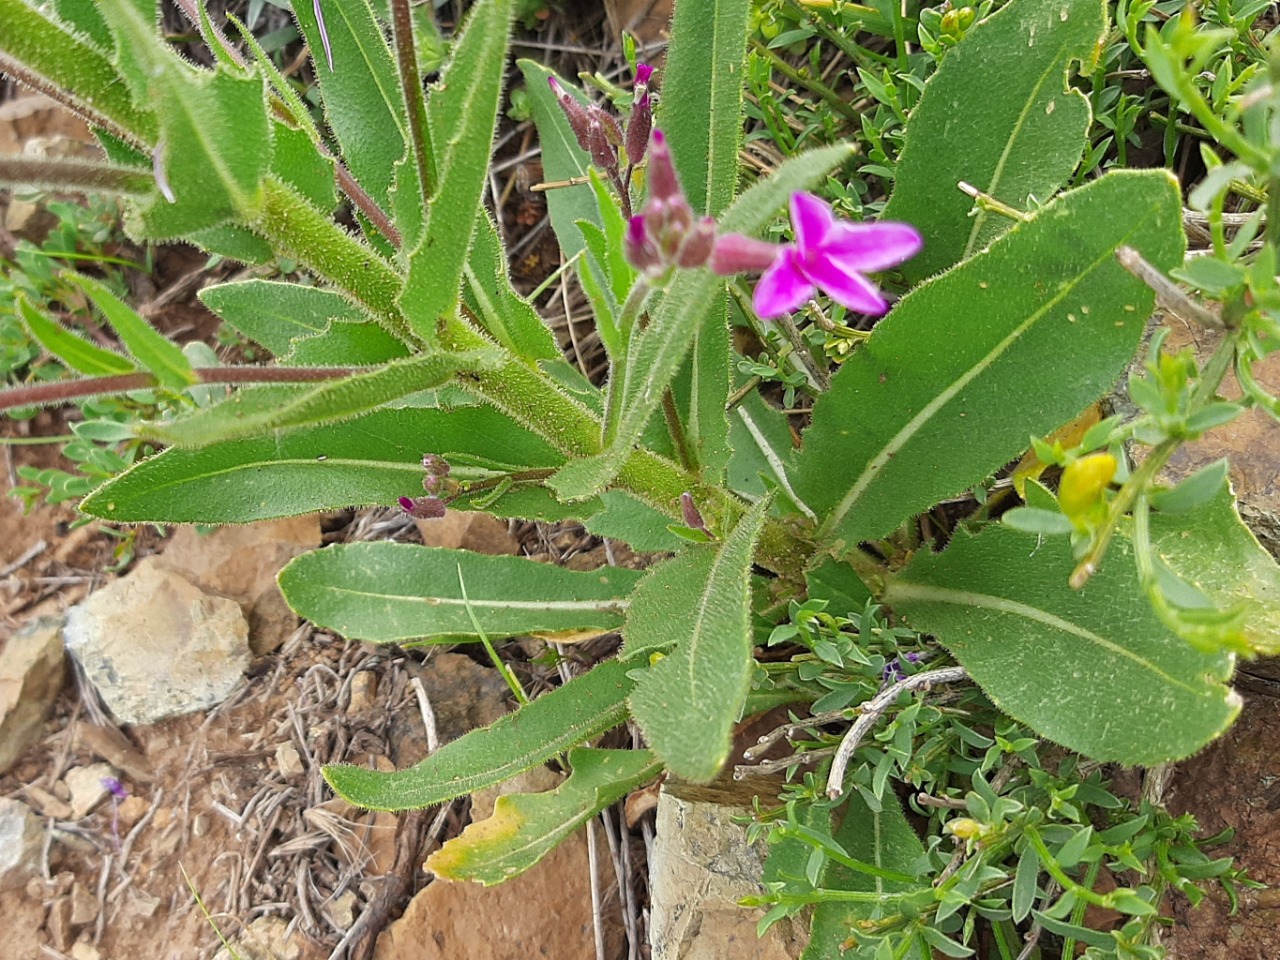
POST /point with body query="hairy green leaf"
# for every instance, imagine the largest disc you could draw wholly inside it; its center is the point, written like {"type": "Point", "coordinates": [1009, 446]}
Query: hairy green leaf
{"type": "Point", "coordinates": [699, 601]}
{"type": "Point", "coordinates": [462, 112]}
{"type": "Point", "coordinates": [524, 828]}
{"type": "Point", "coordinates": [1011, 343]}
{"type": "Point", "coordinates": [1094, 670]}
{"type": "Point", "coordinates": [1212, 549]}
{"type": "Point", "coordinates": [1022, 133]}
{"type": "Point", "coordinates": [387, 592]}
{"type": "Point", "coordinates": [623, 517]}
{"type": "Point", "coordinates": [73, 350]}
{"type": "Point", "coordinates": [701, 105]}
{"type": "Point", "coordinates": [358, 343]}
{"type": "Point", "coordinates": [373, 459]}
{"type": "Point", "coordinates": [363, 103]}
{"type": "Point", "coordinates": [508, 317]}
{"type": "Point", "coordinates": [258, 410]}
{"type": "Point", "coordinates": [583, 708]}
{"type": "Point", "coordinates": [273, 313]}
{"type": "Point", "coordinates": [149, 347]}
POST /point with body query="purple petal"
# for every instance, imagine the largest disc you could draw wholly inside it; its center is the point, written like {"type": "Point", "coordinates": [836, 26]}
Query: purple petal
{"type": "Point", "coordinates": [869, 247]}
{"type": "Point", "coordinates": [811, 218]}
{"type": "Point", "coordinates": [845, 287]}
{"type": "Point", "coordinates": [644, 71]}
{"type": "Point", "coordinates": [783, 288]}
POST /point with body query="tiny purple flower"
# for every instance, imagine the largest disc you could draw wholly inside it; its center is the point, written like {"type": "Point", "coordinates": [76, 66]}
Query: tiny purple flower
{"type": "Point", "coordinates": [115, 787]}
{"type": "Point", "coordinates": [827, 254]}
{"type": "Point", "coordinates": [640, 123]}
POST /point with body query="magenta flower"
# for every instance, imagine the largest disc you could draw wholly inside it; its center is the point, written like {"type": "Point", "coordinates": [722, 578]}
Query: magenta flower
{"type": "Point", "coordinates": [828, 254]}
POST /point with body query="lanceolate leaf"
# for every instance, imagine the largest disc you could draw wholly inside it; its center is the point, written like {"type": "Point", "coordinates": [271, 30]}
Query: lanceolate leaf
{"type": "Point", "coordinates": [524, 828]}
{"type": "Point", "coordinates": [214, 141]}
{"type": "Point", "coordinates": [373, 459]}
{"type": "Point", "coordinates": [584, 707]}
{"type": "Point", "coordinates": [358, 343]}
{"type": "Point", "coordinates": [273, 313]}
{"type": "Point", "coordinates": [1011, 343]}
{"type": "Point", "coordinates": [1014, 134]}
{"type": "Point", "coordinates": [508, 317]}
{"type": "Point", "coordinates": [386, 592]}
{"type": "Point", "coordinates": [462, 112]}
{"type": "Point", "coordinates": [701, 105]}
{"type": "Point", "coordinates": [258, 410]}
{"type": "Point", "coordinates": [700, 601]}
{"type": "Point", "coordinates": [161, 356]}
{"type": "Point", "coordinates": [1094, 670]}
{"type": "Point", "coordinates": [656, 353]}
{"type": "Point", "coordinates": [75, 351]}
{"type": "Point", "coordinates": [361, 92]}
{"type": "Point", "coordinates": [1213, 549]}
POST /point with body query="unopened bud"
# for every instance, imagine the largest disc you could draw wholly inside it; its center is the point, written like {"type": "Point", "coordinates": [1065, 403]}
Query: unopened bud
{"type": "Point", "coordinates": [663, 182]}
{"type": "Point", "coordinates": [640, 124]}
{"type": "Point", "coordinates": [603, 154]}
{"type": "Point", "coordinates": [423, 508]}
{"type": "Point", "coordinates": [735, 253]}
{"type": "Point", "coordinates": [690, 512]}
{"type": "Point", "coordinates": [698, 244]}
{"type": "Point", "coordinates": [639, 249]}
{"type": "Point", "coordinates": [575, 112]}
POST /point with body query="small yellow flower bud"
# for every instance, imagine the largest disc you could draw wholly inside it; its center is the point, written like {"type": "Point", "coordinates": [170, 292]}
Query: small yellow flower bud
{"type": "Point", "coordinates": [1083, 483]}
{"type": "Point", "coordinates": [965, 828]}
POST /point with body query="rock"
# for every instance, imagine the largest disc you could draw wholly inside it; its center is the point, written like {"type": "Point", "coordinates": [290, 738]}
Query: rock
{"type": "Point", "coordinates": [115, 748]}
{"type": "Point", "coordinates": [87, 788]}
{"type": "Point", "coordinates": [545, 912]}
{"type": "Point", "coordinates": [460, 530]}
{"type": "Point", "coordinates": [48, 805]}
{"type": "Point", "coordinates": [267, 938]}
{"type": "Point", "coordinates": [341, 910]}
{"type": "Point", "coordinates": [700, 850]}
{"type": "Point", "coordinates": [84, 905]}
{"type": "Point", "coordinates": [240, 562]}
{"type": "Point", "coordinates": [20, 842]}
{"type": "Point", "coordinates": [58, 923]}
{"type": "Point", "coordinates": [289, 761]}
{"type": "Point", "coordinates": [32, 669]}
{"type": "Point", "coordinates": [80, 950]}
{"type": "Point", "coordinates": [132, 809]}
{"type": "Point", "coordinates": [364, 687]}
{"type": "Point", "coordinates": [463, 694]}
{"type": "Point", "coordinates": [156, 646]}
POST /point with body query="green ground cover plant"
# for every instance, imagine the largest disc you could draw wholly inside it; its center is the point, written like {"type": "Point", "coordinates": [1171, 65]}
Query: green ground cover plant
{"type": "Point", "coordinates": [873, 564]}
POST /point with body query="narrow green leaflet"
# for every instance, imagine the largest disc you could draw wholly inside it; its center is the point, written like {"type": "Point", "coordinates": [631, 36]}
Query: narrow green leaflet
{"type": "Point", "coordinates": [361, 91]}
{"type": "Point", "coordinates": [149, 347]}
{"type": "Point", "coordinates": [273, 313]}
{"type": "Point", "coordinates": [656, 353]}
{"type": "Point", "coordinates": [700, 601]}
{"type": "Point", "coordinates": [882, 838]}
{"type": "Point", "coordinates": [524, 828]}
{"type": "Point", "coordinates": [583, 708]}
{"type": "Point", "coordinates": [73, 350]}
{"type": "Point", "coordinates": [508, 317]}
{"type": "Point", "coordinates": [214, 143]}
{"type": "Point", "coordinates": [562, 159]}
{"type": "Point", "coordinates": [258, 410]}
{"type": "Point", "coordinates": [373, 459]}
{"type": "Point", "coordinates": [387, 592]}
{"type": "Point", "coordinates": [1094, 670]}
{"type": "Point", "coordinates": [701, 105]}
{"type": "Point", "coordinates": [701, 389]}
{"type": "Point", "coordinates": [762, 450]}
{"type": "Point", "coordinates": [462, 112]}
{"type": "Point", "coordinates": [1212, 548]}
{"type": "Point", "coordinates": [1011, 343]}
{"type": "Point", "coordinates": [296, 161]}
{"type": "Point", "coordinates": [1016, 135]}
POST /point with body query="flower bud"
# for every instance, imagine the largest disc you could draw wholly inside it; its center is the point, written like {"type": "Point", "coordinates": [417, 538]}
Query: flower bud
{"type": "Point", "coordinates": [423, 508]}
{"type": "Point", "coordinates": [639, 249]}
{"type": "Point", "coordinates": [698, 244]}
{"type": "Point", "coordinates": [1083, 483]}
{"type": "Point", "coordinates": [435, 465]}
{"type": "Point", "coordinates": [690, 513]}
{"type": "Point", "coordinates": [663, 182]}
{"type": "Point", "coordinates": [575, 112]}
{"type": "Point", "coordinates": [640, 124]}
{"type": "Point", "coordinates": [603, 154]}
{"type": "Point", "coordinates": [736, 253]}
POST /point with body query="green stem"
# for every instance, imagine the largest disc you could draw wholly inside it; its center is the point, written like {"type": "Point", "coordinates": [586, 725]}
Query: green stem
{"type": "Point", "coordinates": [297, 229]}
{"type": "Point", "coordinates": [679, 436]}
{"type": "Point", "coordinates": [74, 176]}
{"type": "Point", "coordinates": [411, 83]}
{"type": "Point", "coordinates": [1055, 870]}
{"type": "Point", "coordinates": [816, 87]}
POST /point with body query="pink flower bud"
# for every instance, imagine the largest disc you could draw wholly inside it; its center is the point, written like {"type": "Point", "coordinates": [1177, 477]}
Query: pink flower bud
{"type": "Point", "coordinates": [423, 508]}
{"type": "Point", "coordinates": [663, 182]}
{"type": "Point", "coordinates": [690, 513]}
{"type": "Point", "coordinates": [698, 244]}
{"type": "Point", "coordinates": [575, 112]}
{"type": "Point", "coordinates": [603, 154]}
{"type": "Point", "coordinates": [639, 249]}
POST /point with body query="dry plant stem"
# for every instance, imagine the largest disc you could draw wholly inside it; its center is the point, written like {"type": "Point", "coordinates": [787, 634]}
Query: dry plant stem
{"type": "Point", "coordinates": [1167, 293]}
{"type": "Point", "coordinates": [872, 710]}
{"type": "Point", "coordinates": [64, 391]}
{"type": "Point", "coordinates": [73, 175]}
